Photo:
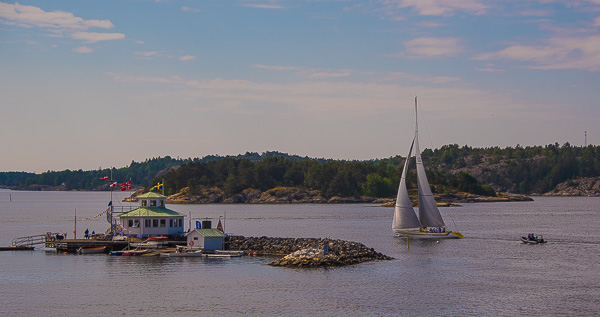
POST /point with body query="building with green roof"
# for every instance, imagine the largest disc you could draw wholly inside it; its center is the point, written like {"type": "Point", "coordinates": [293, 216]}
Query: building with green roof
{"type": "Point", "coordinates": [152, 218]}
{"type": "Point", "coordinates": [206, 239]}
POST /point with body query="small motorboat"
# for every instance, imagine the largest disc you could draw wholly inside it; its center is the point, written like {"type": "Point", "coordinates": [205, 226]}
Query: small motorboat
{"type": "Point", "coordinates": [92, 250]}
{"type": "Point", "coordinates": [533, 239]}
{"type": "Point", "coordinates": [182, 251]}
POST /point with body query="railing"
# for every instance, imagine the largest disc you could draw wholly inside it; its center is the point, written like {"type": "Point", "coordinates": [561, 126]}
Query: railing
{"type": "Point", "coordinates": [30, 240]}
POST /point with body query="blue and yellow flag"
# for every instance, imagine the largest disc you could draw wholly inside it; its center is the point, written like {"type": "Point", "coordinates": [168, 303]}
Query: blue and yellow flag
{"type": "Point", "coordinates": [157, 186]}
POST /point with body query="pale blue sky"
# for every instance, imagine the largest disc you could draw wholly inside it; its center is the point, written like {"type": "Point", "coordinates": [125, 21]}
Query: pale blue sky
{"type": "Point", "coordinates": [89, 84]}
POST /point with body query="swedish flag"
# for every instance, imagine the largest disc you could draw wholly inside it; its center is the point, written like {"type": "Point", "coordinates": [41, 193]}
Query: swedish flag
{"type": "Point", "coordinates": [157, 186]}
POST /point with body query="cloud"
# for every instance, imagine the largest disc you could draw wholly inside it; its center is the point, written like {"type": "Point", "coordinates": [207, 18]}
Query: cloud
{"type": "Point", "coordinates": [146, 55]}
{"type": "Point", "coordinates": [597, 21]}
{"type": "Point", "coordinates": [441, 7]}
{"type": "Point", "coordinates": [144, 79]}
{"type": "Point", "coordinates": [580, 53]}
{"type": "Point", "coordinates": [431, 47]}
{"type": "Point", "coordinates": [83, 50]}
{"type": "Point", "coordinates": [309, 73]}
{"type": "Point", "coordinates": [30, 16]}
{"type": "Point", "coordinates": [187, 58]}
{"type": "Point", "coordinates": [93, 37]}
{"type": "Point", "coordinates": [263, 6]}
{"type": "Point", "coordinates": [188, 9]}
{"type": "Point", "coordinates": [277, 68]}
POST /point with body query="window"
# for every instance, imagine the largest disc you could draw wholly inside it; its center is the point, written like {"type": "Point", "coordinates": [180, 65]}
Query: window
{"type": "Point", "coordinates": [130, 222]}
{"type": "Point", "coordinates": [144, 203]}
{"type": "Point", "coordinates": [171, 223]}
{"type": "Point", "coordinates": [136, 223]}
{"type": "Point", "coordinates": [163, 223]}
{"type": "Point", "coordinates": [162, 203]}
{"type": "Point", "coordinates": [148, 223]}
{"type": "Point", "coordinates": [155, 223]}
{"type": "Point", "coordinates": [180, 223]}
{"type": "Point", "coordinates": [153, 203]}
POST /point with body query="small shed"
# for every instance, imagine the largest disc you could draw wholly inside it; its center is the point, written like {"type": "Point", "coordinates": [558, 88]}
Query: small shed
{"type": "Point", "coordinates": [207, 239]}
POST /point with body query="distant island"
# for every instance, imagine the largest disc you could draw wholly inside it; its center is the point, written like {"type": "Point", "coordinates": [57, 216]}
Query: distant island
{"type": "Point", "coordinates": [455, 173]}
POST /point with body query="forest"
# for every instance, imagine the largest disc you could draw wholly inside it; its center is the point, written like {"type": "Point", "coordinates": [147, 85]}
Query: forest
{"type": "Point", "coordinates": [484, 171]}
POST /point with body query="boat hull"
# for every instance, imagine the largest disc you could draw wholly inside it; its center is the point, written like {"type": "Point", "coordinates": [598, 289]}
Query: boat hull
{"type": "Point", "coordinates": [418, 234]}
{"type": "Point", "coordinates": [528, 241]}
{"type": "Point", "coordinates": [183, 254]}
{"type": "Point", "coordinates": [92, 250]}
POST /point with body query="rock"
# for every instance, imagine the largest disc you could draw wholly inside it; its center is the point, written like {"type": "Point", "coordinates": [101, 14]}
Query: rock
{"type": "Point", "coordinates": [306, 252]}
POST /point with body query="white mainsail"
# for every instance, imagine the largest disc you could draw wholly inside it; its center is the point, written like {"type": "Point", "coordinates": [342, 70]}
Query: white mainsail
{"type": "Point", "coordinates": [404, 214]}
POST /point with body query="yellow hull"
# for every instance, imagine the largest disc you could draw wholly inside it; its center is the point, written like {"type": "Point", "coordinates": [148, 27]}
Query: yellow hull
{"type": "Point", "coordinates": [418, 234]}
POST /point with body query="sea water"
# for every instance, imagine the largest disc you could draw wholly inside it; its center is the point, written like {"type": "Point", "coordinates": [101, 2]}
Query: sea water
{"type": "Point", "coordinates": [488, 273]}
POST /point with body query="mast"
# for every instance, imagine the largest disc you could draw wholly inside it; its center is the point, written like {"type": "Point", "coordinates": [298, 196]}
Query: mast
{"type": "Point", "coordinates": [429, 214]}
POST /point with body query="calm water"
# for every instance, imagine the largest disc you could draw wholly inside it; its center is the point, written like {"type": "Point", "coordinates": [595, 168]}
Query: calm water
{"type": "Point", "coordinates": [489, 273]}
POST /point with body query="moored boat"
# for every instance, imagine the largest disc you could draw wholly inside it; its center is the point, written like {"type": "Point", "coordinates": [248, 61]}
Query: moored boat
{"type": "Point", "coordinates": [92, 250]}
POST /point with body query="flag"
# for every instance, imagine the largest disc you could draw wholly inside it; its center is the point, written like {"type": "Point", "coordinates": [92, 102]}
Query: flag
{"type": "Point", "coordinates": [126, 186]}
{"type": "Point", "coordinates": [105, 177]}
{"type": "Point", "coordinates": [220, 226]}
{"type": "Point", "coordinates": [157, 186]}
{"type": "Point", "coordinates": [109, 203]}
{"type": "Point", "coordinates": [113, 184]}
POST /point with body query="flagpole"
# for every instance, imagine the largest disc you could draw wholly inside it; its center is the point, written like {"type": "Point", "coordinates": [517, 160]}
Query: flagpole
{"type": "Point", "coordinates": [75, 229]}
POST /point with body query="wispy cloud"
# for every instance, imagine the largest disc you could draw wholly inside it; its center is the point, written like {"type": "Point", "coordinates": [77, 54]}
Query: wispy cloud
{"type": "Point", "coordinates": [309, 73]}
{"type": "Point", "coordinates": [263, 6]}
{"type": "Point", "coordinates": [187, 58]}
{"type": "Point", "coordinates": [581, 53]}
{"type": "Point", "coordinates": [144, 79]}
{"type": "Point", "coordinates": [440, 7]}
{"type": "Point", "coordinates": [93, 37]}
{"type": "Point", "coordinates": [188, 9]}
{"type": "Point", "coordinates": [28, 16]}
{"type": "Point", "coordinates": [146, 55]}
{"type": "Point", "coordinates": [83, 50]}
{"type": "Point", "coordinates": [431, 47]}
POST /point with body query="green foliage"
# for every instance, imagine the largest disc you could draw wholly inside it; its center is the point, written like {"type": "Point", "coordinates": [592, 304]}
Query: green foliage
{"type": "Point", "coordinates": [536, 169]}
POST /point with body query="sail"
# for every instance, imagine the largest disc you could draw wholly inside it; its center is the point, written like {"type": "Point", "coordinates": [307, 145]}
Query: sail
{"type": "Point", "coordinates": [429, 214]}
{"type": "Point", "coordinates": [404, 214]}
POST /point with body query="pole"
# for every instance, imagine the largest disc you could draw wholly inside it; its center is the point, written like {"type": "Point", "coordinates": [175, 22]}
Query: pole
{"type": "Point", "coordinates": [163, 186]}
{"type": "Point", "coordinates": [75, 229]}
{"type": "Point", "coordinates": [407, 242]}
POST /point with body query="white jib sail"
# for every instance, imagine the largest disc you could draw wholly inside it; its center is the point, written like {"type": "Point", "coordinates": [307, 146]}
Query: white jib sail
{"type": "Point", "coordinates": [429, 214]}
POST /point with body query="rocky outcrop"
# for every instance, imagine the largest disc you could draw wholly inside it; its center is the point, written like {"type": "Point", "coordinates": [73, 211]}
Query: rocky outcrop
{"type": "Point", "coordinates": [588, 186]}
{"type": "Point", "coordinates": [277, 195]}
{"type": "Point", "coordinates": [453, 199]}
{"type": "Point", "coordinates": [306, 252]}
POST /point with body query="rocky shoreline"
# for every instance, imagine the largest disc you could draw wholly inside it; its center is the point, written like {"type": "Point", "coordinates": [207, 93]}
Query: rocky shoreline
{"type": "Point", "coordinates": [295, 195]}
{"type": "Point", "coordinates": [306, 252]}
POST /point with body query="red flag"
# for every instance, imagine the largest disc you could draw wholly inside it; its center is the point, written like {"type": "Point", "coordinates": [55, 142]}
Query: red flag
{"type": "Point", "coordinates": [105, 177]}
{"type": "Point", "coordinates": [113, 184]}
{"type": "Point", "coordinates": [126, 186]}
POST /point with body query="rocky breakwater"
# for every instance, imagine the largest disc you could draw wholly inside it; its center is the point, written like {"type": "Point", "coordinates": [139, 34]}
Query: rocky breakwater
{"type": "Point", "coordinates": [307, 252]}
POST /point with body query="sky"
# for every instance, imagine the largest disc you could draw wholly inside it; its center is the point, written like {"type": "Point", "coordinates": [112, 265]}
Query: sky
{"type": "Point", "coordinates": [94, 84]}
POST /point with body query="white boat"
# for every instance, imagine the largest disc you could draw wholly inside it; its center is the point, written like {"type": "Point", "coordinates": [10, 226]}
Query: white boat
{"type": "Point", "coordinates": [147, 244]}
{"type": "Point", "coordinates": [181, 251]}
{"type": "Point", "coordinates": [429, 223]}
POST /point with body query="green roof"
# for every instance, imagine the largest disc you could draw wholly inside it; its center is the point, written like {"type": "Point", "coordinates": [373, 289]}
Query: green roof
{"type": "Point", "coordinates": [151, 195]}
{"type": "Point", "coordinates": [151, 212]}
{"type": "Point", "coordinates": [209, 233]}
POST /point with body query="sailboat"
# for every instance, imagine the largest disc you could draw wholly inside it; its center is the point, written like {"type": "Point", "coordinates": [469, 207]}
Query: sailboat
{"type": "Point", "coordinates": [429, 223]}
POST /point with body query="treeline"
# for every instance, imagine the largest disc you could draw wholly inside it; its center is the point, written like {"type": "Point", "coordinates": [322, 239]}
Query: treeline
{"type": "Point", "coordinates": [140, 173]}
{"type": "Point", "coordinates": [332, 178]}
{"type": "Point", "coordinates": [526, 170]}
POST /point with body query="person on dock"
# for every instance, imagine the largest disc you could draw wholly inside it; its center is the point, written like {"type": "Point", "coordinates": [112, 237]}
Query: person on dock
{"type": "Point", "coordinates": [87, 233]}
